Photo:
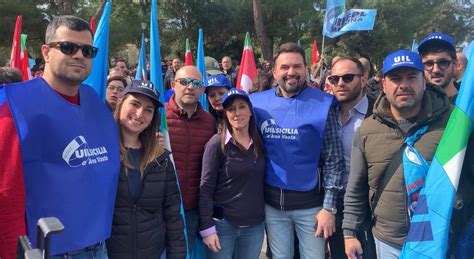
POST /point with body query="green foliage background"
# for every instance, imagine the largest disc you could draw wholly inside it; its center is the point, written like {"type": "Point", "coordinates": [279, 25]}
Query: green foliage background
{"type": "Point", "coordinates": [225, 22]}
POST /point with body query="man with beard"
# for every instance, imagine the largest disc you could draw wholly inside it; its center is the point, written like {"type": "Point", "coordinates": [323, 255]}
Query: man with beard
{"type": "Point", "coordinates": [347, 81]}
{"type": "Point", "coordinates": [439, 59]}
{"type": "Point", "coordinates": [304, 155]}
{"type": "Point", "coordinates": [411, 113]}
{"type": "Point", "coordinates": [59, 151]}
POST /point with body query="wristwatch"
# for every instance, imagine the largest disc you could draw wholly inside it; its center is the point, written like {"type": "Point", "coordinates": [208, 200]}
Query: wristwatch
{"type": "Point", "coordinates": [331, 210]}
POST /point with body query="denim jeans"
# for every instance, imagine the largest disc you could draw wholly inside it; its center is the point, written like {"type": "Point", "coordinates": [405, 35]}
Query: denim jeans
{"type": "Point", "coordinates": [280, 229]}
{"type": "Point", "coordinates": [237, 242]}
{"type": "Point", "coordinates": [386, 251]}
{"type": "Point", "coordinates": [192, 227]}
{"type": "Point", "coordinates": [92, 252]}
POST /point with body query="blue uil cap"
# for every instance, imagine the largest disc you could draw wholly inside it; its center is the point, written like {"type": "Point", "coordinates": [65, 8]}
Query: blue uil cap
{"type": "Point", "coordinates": [145, 88]}
{"type": "Point", "coordinates": [232, 94]}
{"type": "Point", "coordinates": [437, 39]}
{"type": "Point", "coordinates": [402, 58]}
{"type": "Point", "coordinates": [217, 81]}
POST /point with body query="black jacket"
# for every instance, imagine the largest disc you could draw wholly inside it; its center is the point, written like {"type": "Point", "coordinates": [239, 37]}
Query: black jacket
{"type": "Point", "coordinates": [145, 227]}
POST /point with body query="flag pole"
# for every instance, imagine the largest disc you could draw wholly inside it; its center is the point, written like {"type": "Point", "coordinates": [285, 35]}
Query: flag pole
{"type": "Point", "coordinates": [322, 58]}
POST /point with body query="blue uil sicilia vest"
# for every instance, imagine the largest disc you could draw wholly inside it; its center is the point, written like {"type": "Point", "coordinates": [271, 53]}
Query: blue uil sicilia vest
{"type": "Point", "coordinates": [71, 162]}
{"type": "Point", "coordinates": [292, 130]}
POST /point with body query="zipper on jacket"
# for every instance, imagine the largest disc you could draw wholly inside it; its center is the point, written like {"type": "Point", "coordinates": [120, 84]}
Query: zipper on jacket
{"type": "Point", "coordinates": [133, 222]}
{"type": "Point", "coordinates": [134, 231]}
{"type": "Point", "coordinates": [282, 199]}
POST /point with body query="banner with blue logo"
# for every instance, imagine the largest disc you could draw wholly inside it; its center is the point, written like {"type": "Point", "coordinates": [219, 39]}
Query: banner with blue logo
{"type": "Point", "coordinates": [338, 21]}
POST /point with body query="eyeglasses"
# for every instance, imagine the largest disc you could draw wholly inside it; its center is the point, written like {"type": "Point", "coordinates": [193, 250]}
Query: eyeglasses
{"type": "Point", "coordinates": [113, 88]}
{"type": "Point", "coordinates": [71, 48]}
{"type": "Point", "coordinates": [347, 78]}
{"type": "Point", "coordinates": [186, 81]}
{"type": "Point", "coordinates": [442, 64]}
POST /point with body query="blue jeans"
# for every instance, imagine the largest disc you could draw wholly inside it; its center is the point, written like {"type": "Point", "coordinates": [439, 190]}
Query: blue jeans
{"type": "Point", "coordinates": [280, 230]}
{"type": "Point", "coordinates": [237, 242]}
{"type": "Point", "coordinates": [92, 252]}
{"type": "Point", "coordinates": [192, 227]}
{"type": "Point", "coordinates": [386, 251]}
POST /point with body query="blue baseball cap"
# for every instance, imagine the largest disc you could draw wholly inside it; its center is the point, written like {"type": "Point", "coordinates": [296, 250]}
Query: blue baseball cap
{"type": "Point", "coordinates": [145, 88]}
{"type": "Point", "coordinates": [439, 39]}
{"type": "Point", "coordinates": [232, 94]}
{"type": "Point", "coordinates": [217, 81]}
{"type": "Point", "coordinates": [402, 58]}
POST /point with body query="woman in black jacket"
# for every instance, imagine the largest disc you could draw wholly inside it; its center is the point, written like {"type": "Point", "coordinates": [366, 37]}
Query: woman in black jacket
{"type": "Point", "coordinates": [147, 217]}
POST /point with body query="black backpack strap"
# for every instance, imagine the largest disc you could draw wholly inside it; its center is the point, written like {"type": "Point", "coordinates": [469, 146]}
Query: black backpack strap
{"type": "Point", "coordinates": [389, 172]}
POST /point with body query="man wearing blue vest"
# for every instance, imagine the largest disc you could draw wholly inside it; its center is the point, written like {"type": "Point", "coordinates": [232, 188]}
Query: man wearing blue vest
{"type": "Point", "coordinates": [299, 128]}
{"type": "Point", "coordinates": [66, 146]}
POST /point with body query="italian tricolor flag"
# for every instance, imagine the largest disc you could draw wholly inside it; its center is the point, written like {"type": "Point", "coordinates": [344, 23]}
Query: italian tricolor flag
{"type": "Point", "coordinates": [248, 69]}
{"type": "Point", "coordinates": [25, 63]}
{"type": "Point", "coordinates": [188, 57]}
{"type": "Point", "coordinates": [429, 227]}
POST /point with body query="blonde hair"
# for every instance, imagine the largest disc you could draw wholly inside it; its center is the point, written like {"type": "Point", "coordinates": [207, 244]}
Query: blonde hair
{"type": "Point", "coordinates": [150, 146]}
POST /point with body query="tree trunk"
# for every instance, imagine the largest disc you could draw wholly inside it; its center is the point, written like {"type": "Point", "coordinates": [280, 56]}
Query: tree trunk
{"type": "Point", "coordinates": [63, 7]}
{"type": "Point", "coordinates": [263, 39]}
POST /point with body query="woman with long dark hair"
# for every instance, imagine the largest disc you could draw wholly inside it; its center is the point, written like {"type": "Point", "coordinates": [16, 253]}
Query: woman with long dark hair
{"type": "Point", "coordinates": [231, 192]}
{"type": "Point", "coordinates": [147, 217]}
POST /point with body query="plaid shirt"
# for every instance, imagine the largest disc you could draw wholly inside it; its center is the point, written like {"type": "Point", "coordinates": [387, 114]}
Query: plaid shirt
{"type": "Point", "coordinates": [332, 157]}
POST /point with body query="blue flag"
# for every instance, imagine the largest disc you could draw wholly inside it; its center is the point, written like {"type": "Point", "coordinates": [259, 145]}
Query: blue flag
{"type": "Point", "coordinates": [141, 68]}
{"type": "Point", "coordinates": [338, 21]}
{"type": "Point", "coordinates": [429, 227]}
{"type": "Point", "coordinates": [157, 79]}
{"type": "Point", "coordinates": [98, 76]}
{"type": "Point", "coordinates": [201, 65]}
{"type": "Point", "coordinates": [156, 76]}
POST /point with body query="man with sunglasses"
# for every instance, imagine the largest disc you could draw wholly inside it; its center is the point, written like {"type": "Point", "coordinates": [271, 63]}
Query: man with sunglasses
{"type": "Point", "coordinates": [59, 150]}
{"type": "Point", "coordinates": [440, 60]}
{"type": "Point", "coordinates": [190, 127]}
{"type": "Point", "coordinates": [438, 52]}
{"type": "Point", "coordinates": [347, 81]}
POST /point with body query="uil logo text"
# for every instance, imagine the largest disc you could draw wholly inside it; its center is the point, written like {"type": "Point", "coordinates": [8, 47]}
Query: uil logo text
{"type": "Point", "coordinates": [78, 153]}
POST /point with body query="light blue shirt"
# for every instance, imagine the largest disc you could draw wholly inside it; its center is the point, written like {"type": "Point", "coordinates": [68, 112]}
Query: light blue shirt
{"type": "Point", "coordinates": [347, 130]}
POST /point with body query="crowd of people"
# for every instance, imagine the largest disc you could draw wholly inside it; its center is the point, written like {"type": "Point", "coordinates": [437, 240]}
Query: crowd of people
{"type": "Point", "coordinates": [311, 158]}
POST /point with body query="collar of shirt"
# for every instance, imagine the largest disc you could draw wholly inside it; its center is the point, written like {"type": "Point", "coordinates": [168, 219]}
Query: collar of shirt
{"type": "Point", "coordinates": [228, 137]}
{"type": "Point", "coordinates": [182, 111]}
{"type": "Point", "coordinates": [360, 108]}
{"type": "Point", "coordinates": [279, 94]}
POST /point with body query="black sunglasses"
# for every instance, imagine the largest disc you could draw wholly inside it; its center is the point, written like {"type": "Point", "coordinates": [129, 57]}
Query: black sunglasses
{"type": "Point", "coordinates": [443, 64]}
{"type": "Point", "coordinates": [186, 81]}
{"type": "Point", "coordinates": [347, 78]}
{"type": "Point", "coordinates": [70, 48]}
